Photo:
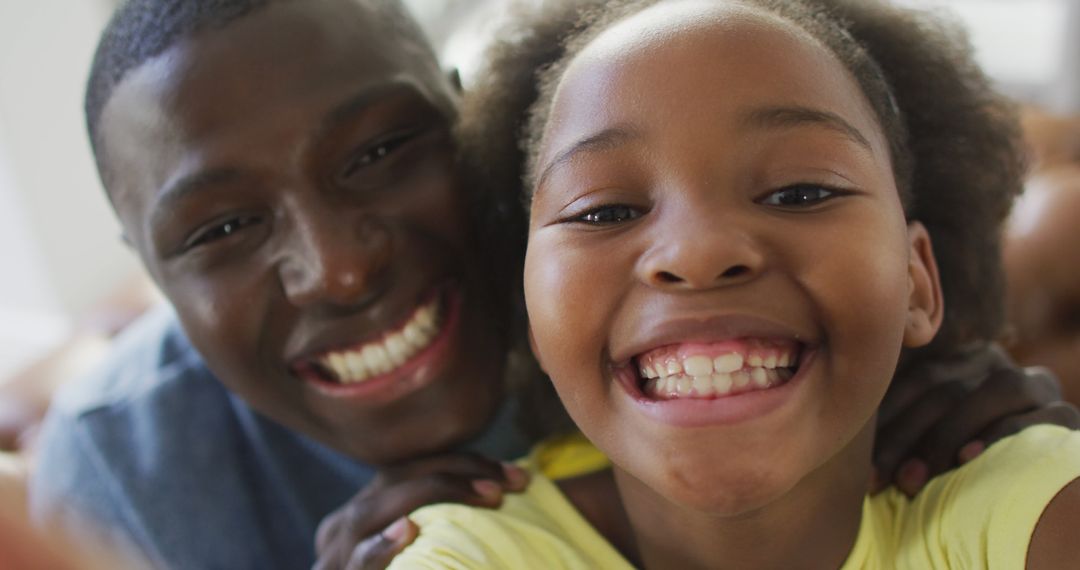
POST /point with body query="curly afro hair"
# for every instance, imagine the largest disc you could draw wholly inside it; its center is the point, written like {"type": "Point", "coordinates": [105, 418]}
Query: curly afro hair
{"type": "Point", "coordinates": [955, 142]}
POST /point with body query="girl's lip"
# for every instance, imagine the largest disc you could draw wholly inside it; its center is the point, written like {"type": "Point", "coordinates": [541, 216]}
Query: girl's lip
{"type": "Point", "coordinates": [419, 371]}
{"type": "Point", "coordinates": [704, 330]}
{"type": "Point", "coordinates": [727, 410]}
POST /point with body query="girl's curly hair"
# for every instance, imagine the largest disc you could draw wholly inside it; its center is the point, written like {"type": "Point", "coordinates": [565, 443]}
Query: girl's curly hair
{"type": "Point", "coordinates": [955, 142]}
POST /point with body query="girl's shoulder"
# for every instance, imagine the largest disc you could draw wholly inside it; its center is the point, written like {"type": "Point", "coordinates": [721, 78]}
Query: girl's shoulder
{"type": "Point", "coordinates": [980, 515]}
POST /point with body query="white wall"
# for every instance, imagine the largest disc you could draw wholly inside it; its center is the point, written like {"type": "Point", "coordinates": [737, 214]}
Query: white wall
{"type": "Point", "coordinates": [59, 244]}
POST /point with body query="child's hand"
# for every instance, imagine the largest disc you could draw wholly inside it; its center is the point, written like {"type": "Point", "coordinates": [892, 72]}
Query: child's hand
{"type": "Point", "coordinates": [371, 529]}
{"type": "Point", "coordinates": [941, 414]}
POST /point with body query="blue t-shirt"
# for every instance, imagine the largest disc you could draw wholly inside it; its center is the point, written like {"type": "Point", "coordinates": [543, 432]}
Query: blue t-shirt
{"type": "Point", "coordinates": [154, 448]}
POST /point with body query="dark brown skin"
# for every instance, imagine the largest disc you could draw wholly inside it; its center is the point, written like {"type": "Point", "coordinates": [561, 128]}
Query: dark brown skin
{"type": "Point", "coordinates": [354, 535]}
{"type": "Point", "coordinates": [290, 185]}
{"type": "Point", "coordinates": [942, 413]}
{"type": "Point", "coordinates": [1043, 279]}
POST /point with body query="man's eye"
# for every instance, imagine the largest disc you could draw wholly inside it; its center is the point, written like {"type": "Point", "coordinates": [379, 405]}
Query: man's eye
{"type": "Point", "coordinates": [220, 230]}
{"type": "Point", "coordinates": [799, 195]}
{"type": "Point", "coordinates": [377, 152]}
{"type": "Point", "coordinates": [609, 215]}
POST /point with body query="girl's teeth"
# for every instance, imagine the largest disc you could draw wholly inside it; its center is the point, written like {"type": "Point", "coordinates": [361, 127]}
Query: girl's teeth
{"type": "Point", "coordinates": [668, 374]}
{"type": "Point", "coordinates": [698, 366]}
{"type": "Point", "coordinates": [722, 383]}
{"type": "Point", "coordinates": [728, 362]}
{"type": "Point", "coordinates": [703, 385]}
{"type": "Point", "coordinates": [760, 378]}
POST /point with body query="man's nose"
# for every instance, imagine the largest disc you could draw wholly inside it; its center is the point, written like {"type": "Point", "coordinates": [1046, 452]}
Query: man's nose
{"type": "Point", "coordinates": [334, 259]}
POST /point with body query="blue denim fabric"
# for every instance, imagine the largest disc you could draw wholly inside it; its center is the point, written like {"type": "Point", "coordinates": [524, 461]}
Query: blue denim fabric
{"type": "Point", "coordinates": [155, 449]}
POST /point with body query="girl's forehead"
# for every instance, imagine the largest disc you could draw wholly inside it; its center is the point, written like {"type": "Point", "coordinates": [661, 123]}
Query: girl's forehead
{"type": "Point", "coordinates": [669, 20]}
{"type": "Point", "coordinates": [688, 57]}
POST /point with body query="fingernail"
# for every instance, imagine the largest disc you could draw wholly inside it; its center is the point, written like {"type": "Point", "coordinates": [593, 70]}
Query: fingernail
{"type": "Point", "coordinates": [971, 451]}
{"type": "Point", "coordinates": [912, 475]}
{"type": "Point", "coordinates": [487, 488]}
{"type": "Point", "coordinates": [516, 477]}
{"type": "Point", "coordinates": [396, 531]}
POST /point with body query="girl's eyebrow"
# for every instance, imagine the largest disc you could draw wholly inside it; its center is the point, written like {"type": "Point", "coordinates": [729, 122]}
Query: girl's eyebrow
{"type": "Point", "coordinates": [606, 139]}
{"type": "Point", "coordinates": [780, 117]}
{"type": "Point", "coordinates": [772, 117]}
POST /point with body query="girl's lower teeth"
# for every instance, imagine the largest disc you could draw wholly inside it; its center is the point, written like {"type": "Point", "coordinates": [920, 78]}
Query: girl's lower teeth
{"type": "Point", "coordinates": [717, 385]}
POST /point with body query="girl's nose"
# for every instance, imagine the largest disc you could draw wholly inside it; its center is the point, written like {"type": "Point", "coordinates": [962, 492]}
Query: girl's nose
{"type": "Point", "coordinates": [698, 251]}
{"type": "Point", "coordinates": [334, 260]}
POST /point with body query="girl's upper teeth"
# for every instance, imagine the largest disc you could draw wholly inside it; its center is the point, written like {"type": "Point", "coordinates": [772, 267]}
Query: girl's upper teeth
{"type": "Point", "coordinates": [708, 371]}
{"type": "Point", "coordinates": [663, 365]}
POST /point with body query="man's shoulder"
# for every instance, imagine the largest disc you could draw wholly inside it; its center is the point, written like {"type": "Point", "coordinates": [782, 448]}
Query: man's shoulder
{"type": "Point", "coordinates": [151, 359]}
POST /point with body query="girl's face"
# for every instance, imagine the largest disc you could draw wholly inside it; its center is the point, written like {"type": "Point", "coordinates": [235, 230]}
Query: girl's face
{"type": "Point", "coordinates": [719, 275]}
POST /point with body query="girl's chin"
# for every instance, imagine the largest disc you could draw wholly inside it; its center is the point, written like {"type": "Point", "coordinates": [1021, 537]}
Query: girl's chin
{"type": "Point", "coordinates": [721, 492]}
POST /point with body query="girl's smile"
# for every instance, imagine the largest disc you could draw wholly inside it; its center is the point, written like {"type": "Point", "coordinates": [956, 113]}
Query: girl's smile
{"type": "Point", "coordinates": [736, 367]}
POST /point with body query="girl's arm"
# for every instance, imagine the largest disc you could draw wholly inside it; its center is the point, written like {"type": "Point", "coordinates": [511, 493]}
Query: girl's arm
{"type": "Point", "coordinates": [1053, 544]}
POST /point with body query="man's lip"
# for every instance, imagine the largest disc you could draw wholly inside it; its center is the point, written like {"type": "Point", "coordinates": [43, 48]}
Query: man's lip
{"type": "Point", "coordinates": [417, 372]}
{"type": "Point", "coordinates": [330, 339]}
{"type": "Point", "coordinates": [705, 330]}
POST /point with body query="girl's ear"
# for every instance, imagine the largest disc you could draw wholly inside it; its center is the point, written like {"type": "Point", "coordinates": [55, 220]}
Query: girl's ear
{"type": "Point", "coordinates": [926, 307]}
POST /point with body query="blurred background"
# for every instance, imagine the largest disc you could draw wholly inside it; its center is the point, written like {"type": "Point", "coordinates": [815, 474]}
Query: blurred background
{"type": "Point", "coordinates": [64, 266]}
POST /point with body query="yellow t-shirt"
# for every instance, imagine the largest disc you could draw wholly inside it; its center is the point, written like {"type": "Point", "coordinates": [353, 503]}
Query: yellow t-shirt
{"type": "Point", "coordinates": [981, 515]}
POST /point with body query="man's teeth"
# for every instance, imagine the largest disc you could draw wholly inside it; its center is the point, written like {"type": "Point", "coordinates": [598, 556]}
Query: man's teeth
{"type": "Point", "coordinates": [394, 349]}
{"type": "Point", "coordinates": [699, 376]}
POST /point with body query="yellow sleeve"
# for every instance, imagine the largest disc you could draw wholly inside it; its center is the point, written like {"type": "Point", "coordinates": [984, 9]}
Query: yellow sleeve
{"type": "Point", "coordinates": [566, 456]}
{"type": "Point", "coordinates": [535, 530]}
{"type": "Point", "coordinates": [983, 514]}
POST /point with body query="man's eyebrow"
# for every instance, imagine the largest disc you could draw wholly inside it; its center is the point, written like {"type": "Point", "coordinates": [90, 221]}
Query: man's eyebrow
{"type": "Point", "coordinates": [179, 190]}
{"type": "Point", "coordinates": [782, 117]}
{"type": "Point", "coordinates": [606, 139]}
{"type": "Point", "coordinates": [359, 102]}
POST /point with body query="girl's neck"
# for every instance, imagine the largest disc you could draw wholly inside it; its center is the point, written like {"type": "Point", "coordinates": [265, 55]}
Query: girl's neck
{"type": "Point", "coordinates": [814, 525]}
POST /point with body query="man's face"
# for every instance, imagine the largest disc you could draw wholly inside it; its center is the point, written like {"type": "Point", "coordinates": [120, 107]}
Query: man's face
{"type": "Point", "coordinates": [289, 181]}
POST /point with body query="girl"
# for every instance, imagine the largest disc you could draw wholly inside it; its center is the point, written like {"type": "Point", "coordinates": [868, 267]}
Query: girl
{"type": "Point", "coordinates": [729, 254]}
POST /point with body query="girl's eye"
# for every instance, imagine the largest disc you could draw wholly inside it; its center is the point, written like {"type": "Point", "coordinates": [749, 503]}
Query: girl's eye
{"type": "Point", "coordinates": [799, 195]}
{"type": "Point", "coordinates": [377, 152]}
{"type": "Point", "coordinates": [609, 215]}
{"type": "Point", "coordinates": [220, 231]}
